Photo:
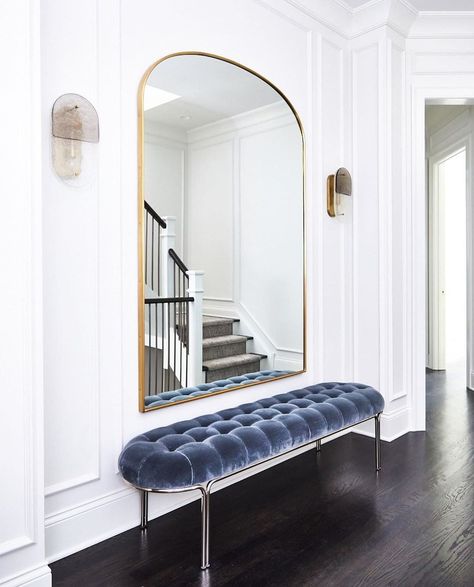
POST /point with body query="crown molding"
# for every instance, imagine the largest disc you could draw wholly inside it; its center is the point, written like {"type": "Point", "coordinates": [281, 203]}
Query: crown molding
{"type": "Point", "coordinates": [399, 15]}
{"type": "Point", "coordinates": [333, 14]}
{"type": "Point", "coordinates": [352, 22]}
{"type": "Point", "coordinates": [443, 25]}
{"type": "Point", "coordinates": [371, 3]}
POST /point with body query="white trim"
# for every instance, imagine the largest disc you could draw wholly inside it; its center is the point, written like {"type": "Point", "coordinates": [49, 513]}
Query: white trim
{"type": "Point", "coordinates": [420, 96]}
{"type": "Point", "coordinates": [277, 114]}
{"type": "Point", "coordinates": [70, 483]}
{"type": "Point", "coordinates": [393, 425]}
{"type": "Point", "coordinates": [36, 577]}
{"type": "Point", "coordinates": [15, 544]}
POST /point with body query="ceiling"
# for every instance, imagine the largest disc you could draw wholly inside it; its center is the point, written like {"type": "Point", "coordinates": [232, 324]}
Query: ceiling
{"type": "Point", "coordinates": [443, 5]}
{"type": "Point", "coordinates": [209, 90]}
{"type": "Point", "coordinates": [438, 116]}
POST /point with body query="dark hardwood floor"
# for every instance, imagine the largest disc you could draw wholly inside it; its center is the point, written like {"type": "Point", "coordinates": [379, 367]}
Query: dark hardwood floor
{"type": "Point", "coordinates": [323, 520]}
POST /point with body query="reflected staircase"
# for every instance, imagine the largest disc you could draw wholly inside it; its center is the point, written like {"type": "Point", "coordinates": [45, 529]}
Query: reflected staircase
{"type": "Point", "coordinates": [225, 353]}
{"type": "Point", "coordinates": [183, 347]}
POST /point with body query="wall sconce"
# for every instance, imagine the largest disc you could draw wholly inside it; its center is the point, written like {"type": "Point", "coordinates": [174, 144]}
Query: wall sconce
{"type": "Point", "coordinates": [338, 186]}
{"type": "Point", "coordinates": [75, 130]}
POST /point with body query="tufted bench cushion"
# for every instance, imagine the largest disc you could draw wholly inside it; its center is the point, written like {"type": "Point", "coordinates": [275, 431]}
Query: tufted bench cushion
{"type": "Point", "coordinates": [208, 447]}
{"type": "Point", "coordinates": [178, 395]}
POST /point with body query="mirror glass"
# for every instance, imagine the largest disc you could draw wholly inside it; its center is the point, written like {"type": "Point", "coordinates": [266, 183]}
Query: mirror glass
{"type": "Point", "coordinates": [221, 243]}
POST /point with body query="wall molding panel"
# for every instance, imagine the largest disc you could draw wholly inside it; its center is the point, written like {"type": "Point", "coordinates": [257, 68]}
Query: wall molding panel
{"type": "Point", "coordinates": [71, 251]}
{"type": "Point", "coordinates": [22, 541]}
{"type": "Point", "coordinates": [365, 76]}
{"type": "Point", "coordinates": [381, 336]}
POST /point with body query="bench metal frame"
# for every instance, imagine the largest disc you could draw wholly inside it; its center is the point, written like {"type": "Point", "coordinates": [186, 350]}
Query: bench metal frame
{"type": "Point", "coordinates": [205, 488]}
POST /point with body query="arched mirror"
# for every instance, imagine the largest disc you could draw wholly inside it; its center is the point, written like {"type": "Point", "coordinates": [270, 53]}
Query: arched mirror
{"type": "Point", "coordinates": [221, 231]}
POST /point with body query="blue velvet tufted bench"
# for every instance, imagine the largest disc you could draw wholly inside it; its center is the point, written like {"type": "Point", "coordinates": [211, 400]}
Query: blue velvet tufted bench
{"type": "Point", "coordinates": [194, 454]}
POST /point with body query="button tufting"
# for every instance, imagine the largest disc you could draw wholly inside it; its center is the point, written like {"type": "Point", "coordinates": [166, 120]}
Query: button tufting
{"type": "Point", "coordinates": [212, 445]}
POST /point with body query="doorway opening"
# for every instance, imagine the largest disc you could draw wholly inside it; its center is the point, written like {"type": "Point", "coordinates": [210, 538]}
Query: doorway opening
{"type": "Point", "coordinates": [448, 274]}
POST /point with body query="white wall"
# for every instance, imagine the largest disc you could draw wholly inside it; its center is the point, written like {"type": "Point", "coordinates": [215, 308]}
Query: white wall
{"type": "Point", "coordinates": [210, 215]}
{"type": "Point", "coordinates": [90, 273]}
{"type": "Point", "coordinates": [22, 555]}
{"type": "Point", "coordinates": [251, 245]}
{"type": "Point", "coordinates": [271, 232]}
{"type": "Point", "coordinates": [362, 106]}
{"type": "Point", "coordinates": [165, 170]}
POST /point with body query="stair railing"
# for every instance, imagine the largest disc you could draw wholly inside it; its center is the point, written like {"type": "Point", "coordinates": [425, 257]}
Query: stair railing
{"type": "Point", "coordinates": [154, 226]}
{"type": "Point", "coordinates": [173, 313]}
{"type": "Point", "coordinates": [167, 354]}
{"type": "Point", "coordinates": [180, 274]}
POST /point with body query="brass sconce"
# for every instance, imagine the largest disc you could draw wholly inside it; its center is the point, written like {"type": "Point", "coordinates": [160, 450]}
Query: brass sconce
{"type": "Point", "coordinates": [338, 187]}
{"type": "Point", "coordinates": [75, 130]}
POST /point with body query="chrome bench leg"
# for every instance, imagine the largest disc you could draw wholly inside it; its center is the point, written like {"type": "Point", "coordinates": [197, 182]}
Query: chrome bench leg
{"type": "Point", "coordinates": [144, 501]}
{"type": "Point", "coordinates": [205, 502]}
{"type": "Point", "coordinates": [377, 442]}
{"type": "Point", "coordinates": [318, 445]}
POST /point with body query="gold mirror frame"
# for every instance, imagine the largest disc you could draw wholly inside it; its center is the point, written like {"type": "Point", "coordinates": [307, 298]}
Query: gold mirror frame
{"type": "Point", "coordinates": [140, 223]}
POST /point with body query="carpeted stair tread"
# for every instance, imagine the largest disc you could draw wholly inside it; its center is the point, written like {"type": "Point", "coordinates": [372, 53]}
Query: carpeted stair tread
{"type": "Point", "coordinates": [212, 320]}
{"type": "Point", "coordinates": [226, 362]}
{"type": "Point", "coordinates": [225, 353]}
{"type": "Point", "coordinates": [218, 347]}
{"type": "Point", "coordinates": [223, 340]}
{"type": "Point", "coordinates": [213, 326]}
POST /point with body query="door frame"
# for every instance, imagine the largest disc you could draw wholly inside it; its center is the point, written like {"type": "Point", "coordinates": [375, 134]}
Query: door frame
{"type": "Point", "coordinates": [417, 235]}
{"type": "Point", "coordinates": [436, 340]}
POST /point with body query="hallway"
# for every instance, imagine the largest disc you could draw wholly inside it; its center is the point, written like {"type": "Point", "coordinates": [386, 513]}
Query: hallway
{"type": "Point", "coordinates": [321, 520]}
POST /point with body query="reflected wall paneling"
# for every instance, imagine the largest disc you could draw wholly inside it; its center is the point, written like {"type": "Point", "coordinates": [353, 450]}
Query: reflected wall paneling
{"type": "Point", "coordinates": [261, 247]}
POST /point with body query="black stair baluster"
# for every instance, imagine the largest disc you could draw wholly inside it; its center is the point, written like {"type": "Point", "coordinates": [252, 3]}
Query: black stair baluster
{"type": "Point", "coordinates": [158, 259]}
{"type": "Point", "coordinates": [156, 348]}
{"type": "Point", "coordinates": [187, 342]}
{"type": "Point", "coordinates": [168, 347]}
{"type": "Point", "coordinates": [162, 347]}
{"type": "Point", "coordinates": [174, 342]}
{"type": "Point", "coordinates": [149, 350]}
{"type": "Point", "coordinates": [152, 252]}
{"type": "Point", "coordinates": [146, 247]}
{"type": "Point", "coordinates": [180, 309]}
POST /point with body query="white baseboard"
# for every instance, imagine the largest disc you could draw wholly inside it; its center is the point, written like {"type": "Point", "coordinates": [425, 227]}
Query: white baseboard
{"type": "Point", "coordinates": [392, 426]}
{"type": "Point", "coordinates": [74, 529]}
{"type": "Point", "coordinates": [89, 523]}
{"type": "Point", "coordinates": [37, 577]}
